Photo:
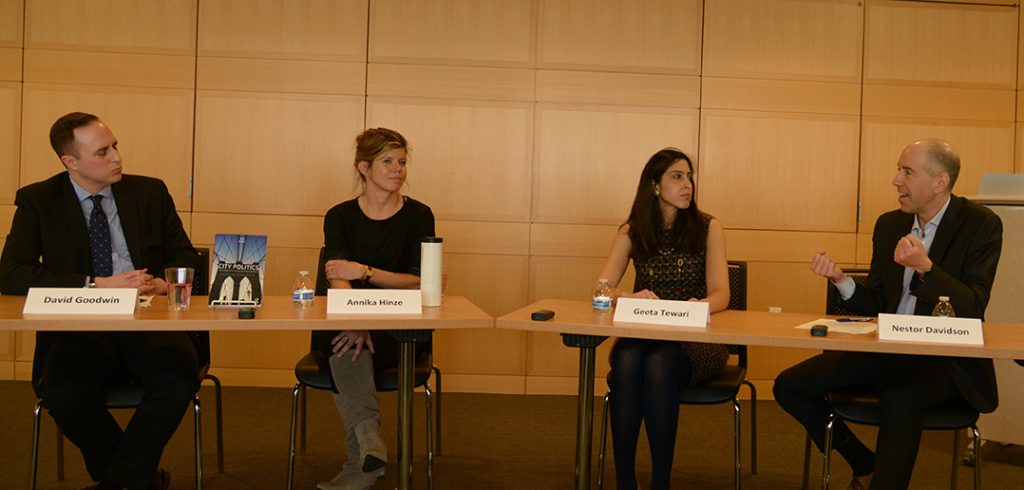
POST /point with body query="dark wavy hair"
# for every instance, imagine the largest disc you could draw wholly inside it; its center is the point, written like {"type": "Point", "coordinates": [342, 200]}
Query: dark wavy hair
{"type": "Point", "coordinates": [646, 221]}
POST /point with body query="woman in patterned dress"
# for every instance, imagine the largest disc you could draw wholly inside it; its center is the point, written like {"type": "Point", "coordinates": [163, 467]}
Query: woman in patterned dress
{"type": "Point", "coordinates": [678, 253]}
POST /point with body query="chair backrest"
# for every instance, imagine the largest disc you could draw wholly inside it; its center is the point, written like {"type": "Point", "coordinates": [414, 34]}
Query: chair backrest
{"type": "Point", "coordinates": [738, 301]}
{"type": "Point", "coordinates": [201, 287]}
{"type": "Point", "coordinates": [832, 306]}
{"type": "Point", "coordinates": [322, 284]}
{"type": "Point", "coordinates": [201, 277]}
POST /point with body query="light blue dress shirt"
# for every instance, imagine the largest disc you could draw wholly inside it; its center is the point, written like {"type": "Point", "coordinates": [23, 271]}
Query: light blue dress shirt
{"type": "Point", "coordinates": [118, 246]}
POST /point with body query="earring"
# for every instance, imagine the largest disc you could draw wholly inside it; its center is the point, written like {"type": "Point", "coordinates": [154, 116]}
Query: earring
{"type": "Point", "coordinates": [657, 192]}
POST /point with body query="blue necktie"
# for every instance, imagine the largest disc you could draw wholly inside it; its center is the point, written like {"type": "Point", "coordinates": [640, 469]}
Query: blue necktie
{"type": "Point", "coordinates": [99, 239]}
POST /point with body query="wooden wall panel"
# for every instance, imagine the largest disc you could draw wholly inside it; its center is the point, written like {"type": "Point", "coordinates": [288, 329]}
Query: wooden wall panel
{"type": "Point", "coordinates": [780, 95]}
{"type": "Point", "coordinates": [250, 147]}
{"type": "Point", "coordinates": [588, 158]}
{"type": "Point", "coordinates": [788, 39]}
{"type": "Point", "coordinates": [940, 44]}
{"type": "Point", "coordinates": [792, 172]}
{"type": "Point", "coordinates": [11, 21]}
{"type": "Point", "coordinates": [281, 231]}
{"type": "Point", "coordinates": [287, 76]}
{"type": "Point", "coordinates": [572, 240]}
{"type": "Point", "coordinates": [643, 36]}
{"type": "Point", "coordinates": [497, 284]}
{"type": "Point", "coordinates": [10, 64]}
{"type": "Point", "coordinates": [7, 352]}
{"type": "Point", "coordinates": [284, 29]}
{"type": "Point", "coordinates": [10, 142]}
{"type": "Point", "coordinates": [470, 160]}
{"type": "Point", "coordinates": [1018, 162]}
{"type": "Point", "coordinates": [110, 69]}
{"type": "Point", "coordinates": [466, 32]}
{"type": "Point", "coordinates": [939, 102]}
{"type": "Point", "coordinates": [126, 26]}
{"type": "Point", "coordinates": [153, 127]}
{"type": "Point", "coordinates": [788, 246]}
{"type": "Point", "coordinates": [450, 82]}
{"type": "Point", "coordinates": [632, 89]}
{"type": "Point", "coordinates": [481, 237]}
{"type": "Point", "coordinates": [982, 148]}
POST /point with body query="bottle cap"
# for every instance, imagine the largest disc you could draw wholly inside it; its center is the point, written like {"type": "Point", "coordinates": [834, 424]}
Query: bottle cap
{"type": "Point", "coordinates": [943, 298]}
{"type": "Point", "coordinates": [433, 239]}
{"type": "Point", "coordinates": [602, 280]}
{"type": "Point", "coordinates": [303, 273]}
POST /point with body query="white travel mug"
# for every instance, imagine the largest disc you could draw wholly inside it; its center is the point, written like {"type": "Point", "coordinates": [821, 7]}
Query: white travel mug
{"type": "Point", "coordinates": [430, 270]}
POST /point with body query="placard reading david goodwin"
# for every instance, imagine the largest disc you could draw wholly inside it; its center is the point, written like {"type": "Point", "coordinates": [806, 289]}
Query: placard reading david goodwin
{"type": "Point", "coordinates": [80, 301]}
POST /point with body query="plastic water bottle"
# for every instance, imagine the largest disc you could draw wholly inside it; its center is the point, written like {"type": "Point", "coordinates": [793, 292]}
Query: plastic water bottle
{"type": "Point", "coordinates": [943, 308]}
{"type": "Point", "coordinates": [602, 298]}
{"type": "Point", "coordinates": [302, 293]}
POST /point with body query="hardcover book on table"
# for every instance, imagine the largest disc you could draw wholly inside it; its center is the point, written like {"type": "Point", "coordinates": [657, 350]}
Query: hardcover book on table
{"type": "Point", "coordinates": [239, 266]}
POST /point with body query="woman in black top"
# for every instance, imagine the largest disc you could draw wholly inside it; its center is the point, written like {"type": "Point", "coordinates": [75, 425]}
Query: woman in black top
{"type": "Point", "coordinates": [679, 254]}
{"type": "Point", "coordinates": [373, 241]}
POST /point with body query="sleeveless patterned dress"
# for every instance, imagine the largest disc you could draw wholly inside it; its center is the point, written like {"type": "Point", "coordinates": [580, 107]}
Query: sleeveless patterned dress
{"type": "Point", "coordinates": [677, 275]}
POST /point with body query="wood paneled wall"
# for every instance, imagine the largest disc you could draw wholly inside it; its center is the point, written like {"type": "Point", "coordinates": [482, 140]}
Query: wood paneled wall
{"type": "Point", "coordinates": [529, 121]}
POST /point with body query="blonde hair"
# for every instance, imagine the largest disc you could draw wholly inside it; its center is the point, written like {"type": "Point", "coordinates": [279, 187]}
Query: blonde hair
{"type": "Point", "coordinates": [375, 142]}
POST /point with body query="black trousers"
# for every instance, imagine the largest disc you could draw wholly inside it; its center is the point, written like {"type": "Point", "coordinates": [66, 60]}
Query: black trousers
{"type": "Point", "coordinates": [906, 386]}
{"type": "Point", "coordinates": [76, 370]}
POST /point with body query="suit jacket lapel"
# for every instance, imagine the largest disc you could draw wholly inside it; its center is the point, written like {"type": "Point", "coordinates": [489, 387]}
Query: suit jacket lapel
{"type": "Point", "coordinates": [947, 230]}
{"type": "Point", "coordinates": [128, 213]}
{"type": "Point", "coordinates": [75, 220]}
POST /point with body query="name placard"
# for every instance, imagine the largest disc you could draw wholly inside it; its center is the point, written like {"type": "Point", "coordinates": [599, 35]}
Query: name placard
{"type": "Point", "coordinates": [80, 301]}
{"type": "Point", "coordinates": [662, 312]}
{"type": "Point", "coordinates": [935, 329]}
{"type": "Point", "coordinates": [374, 302]}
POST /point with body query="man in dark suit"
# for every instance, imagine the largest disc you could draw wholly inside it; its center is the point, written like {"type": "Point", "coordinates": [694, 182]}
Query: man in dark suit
{"type": "Point", "coordinates": [936, 244]}
{"type": "Point", "coordinates": [92, 226]}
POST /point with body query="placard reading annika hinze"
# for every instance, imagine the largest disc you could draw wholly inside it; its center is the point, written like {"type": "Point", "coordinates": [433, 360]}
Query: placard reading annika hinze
{"type": "Point", "coordinates": [374, 302]}
{"type": "Point", "coordinates": [917, 328]}
{"type": "Point", "coordinates": [80, 301]}
{"type": "Point", "coordinates": [662, 312]}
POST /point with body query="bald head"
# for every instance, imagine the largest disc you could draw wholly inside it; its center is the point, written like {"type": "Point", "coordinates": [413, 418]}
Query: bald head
{"type": "Point", "coordinates": [939, 158]}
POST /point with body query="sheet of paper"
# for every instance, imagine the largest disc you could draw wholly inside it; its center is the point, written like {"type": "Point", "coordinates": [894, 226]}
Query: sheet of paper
{"type": "Point", "coordinates": [841, 327]}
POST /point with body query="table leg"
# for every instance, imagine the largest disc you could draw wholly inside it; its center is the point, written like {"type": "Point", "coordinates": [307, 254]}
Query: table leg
{"type": "Point", "coordinates": [585, 418]}
{"type": "Point", "coordinates": [587, 344]}
{"type": "Point", "coordinates": [405, 373]}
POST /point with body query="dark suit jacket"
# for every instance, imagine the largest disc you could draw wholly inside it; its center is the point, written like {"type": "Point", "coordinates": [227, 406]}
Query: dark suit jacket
{"type": "Point", "coordinates": [965, 254]}
{"type": "Point", "coordinates": [48, 245]}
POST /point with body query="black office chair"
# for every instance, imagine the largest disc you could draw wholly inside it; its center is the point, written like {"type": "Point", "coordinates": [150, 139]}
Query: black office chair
{"type": "Point", "coordinates": [314, 371]}
{"type": "Point", "coordinates": [126, 392]}
{"type": "Point", "coordinates": [861, 407]}
{"type": "Point", "coordinates": [721, 389]}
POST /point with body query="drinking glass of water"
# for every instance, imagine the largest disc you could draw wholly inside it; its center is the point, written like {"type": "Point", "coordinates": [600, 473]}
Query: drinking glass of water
{"type": "Point", "coordinates": [179, 287]}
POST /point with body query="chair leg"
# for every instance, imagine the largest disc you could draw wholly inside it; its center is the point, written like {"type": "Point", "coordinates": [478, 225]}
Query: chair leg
{"type": "Point", "coordinates": [34, 466]}
{"type": "Point", "coordinates": [604, 441]}
{"type": "Point", "coordinates": [825, 471]}
{"type": "Point", "coordinates": [437, 406]}
{"type": "Point", "coordinates": [807, 463]}
{"type": "Point", "coordinates": [199, 442]}
{"type": "Point", "coordinates": [302, 419]}
{"type": "Point", "coordinates": [953, 477]}
{"type": "Point", "coordinates": [977, 457]}
{"type": "Point", "coordinates": [737, 441]}
{"type": "Point", "coordinates": [753, 426]}
{"type": "Point", "coordinates": [430, 436]}
{"type": "Point", "coordinates": [291, 435]}
{"type": "Point", "coordinates": [60, 454]}
{"type": "Point", "coordinates": [220, 421]}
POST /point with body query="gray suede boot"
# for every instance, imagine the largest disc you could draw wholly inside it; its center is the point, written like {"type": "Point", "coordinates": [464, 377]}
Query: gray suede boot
{"type": "Point", "coordinates": [357, 403]}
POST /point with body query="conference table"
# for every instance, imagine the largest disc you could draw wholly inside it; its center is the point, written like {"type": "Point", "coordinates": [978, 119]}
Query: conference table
{"type": "Point", "coordinates": [581, 328]}
{"type": "Point", "coordinates": [278, 313]}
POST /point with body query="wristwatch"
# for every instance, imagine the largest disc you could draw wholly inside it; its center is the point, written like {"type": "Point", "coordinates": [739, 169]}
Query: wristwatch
{"type": "Point", "coordinates": [367, 273]}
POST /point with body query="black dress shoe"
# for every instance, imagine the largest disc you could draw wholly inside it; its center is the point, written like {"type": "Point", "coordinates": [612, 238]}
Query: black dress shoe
{"type": "Point", "coordinates": [161, 480]}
